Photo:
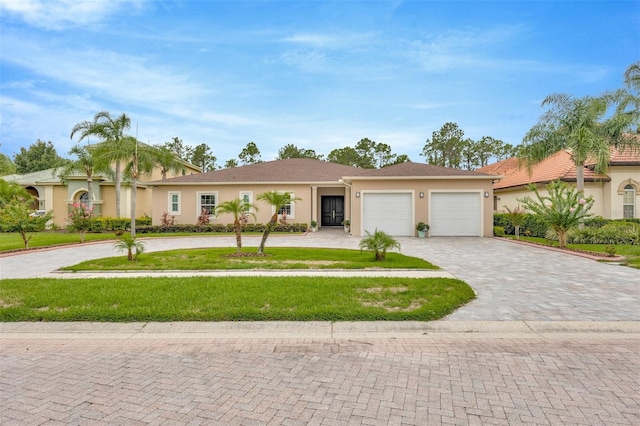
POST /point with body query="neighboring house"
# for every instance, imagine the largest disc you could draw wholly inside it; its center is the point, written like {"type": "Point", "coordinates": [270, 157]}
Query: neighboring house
{"type": "Point", "coordinates": [393, 199]}
{"type": "Point", "coordinates": [52, 194]}
{"type": "Point", "coordinates": [616, 195]}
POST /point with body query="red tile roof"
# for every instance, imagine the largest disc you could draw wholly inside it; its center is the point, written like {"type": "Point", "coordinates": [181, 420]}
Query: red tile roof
{"type": "Point", "coordinates": [558, 166]}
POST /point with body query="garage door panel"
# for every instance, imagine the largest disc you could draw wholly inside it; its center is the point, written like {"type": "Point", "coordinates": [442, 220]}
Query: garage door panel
{"type": "Point", "coordinates": [388, 212]}
{"type": "Point", "coordinates": [456, 214]}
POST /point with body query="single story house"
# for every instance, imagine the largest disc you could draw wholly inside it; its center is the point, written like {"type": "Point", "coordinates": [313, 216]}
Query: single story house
{"type": "Point", "coordinates": [616, 194]}
{"type": "Point", "coordinates": [393, 199]}
{"type": "Point", "coordinates": [51, 193]}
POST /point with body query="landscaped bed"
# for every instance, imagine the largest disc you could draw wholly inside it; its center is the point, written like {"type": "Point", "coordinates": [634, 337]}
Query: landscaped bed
{"type": "Point", "coordinates": [231, 299]}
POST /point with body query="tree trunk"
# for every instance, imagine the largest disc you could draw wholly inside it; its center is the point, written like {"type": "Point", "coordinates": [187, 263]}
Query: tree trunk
{"type": "Point", "coordinates": [580, 177]}
{"type": "Point", "coordinates": [267, 231]}
{"type": "Point", "coordinates": [118, 181]}
{"type": "Point", "coordinates": [134, 195]}
{"type": "Point", "coordinates": [562, 238]}
{"type": "Point", "coordinates": [238, 230]}
{"type": "Point", "coordinates": [90, 193]}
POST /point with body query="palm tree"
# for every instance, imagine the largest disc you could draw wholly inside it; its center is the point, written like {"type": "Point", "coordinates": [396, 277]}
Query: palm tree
{"type": "Point", "coordinates": [629, 98]}
{"type": "Point", "coordinates": [379, 242]}
{"type": "Point", "coordinates": [142, 161]}
{"type": "Point", "coordinates": [129, 243]}
{"type": "Point", "coordinates": [239, 209]}
{"type": "Point", "coordinates": [85, 164]}
{"type": "Point", "coordinates": [277, 200]}
{"type": "Point", "coordinates": [579, 125]}
{"type": "Point", "coordinates": [167, 161]}
{"type": "Point", "coordinates": [111, 131]}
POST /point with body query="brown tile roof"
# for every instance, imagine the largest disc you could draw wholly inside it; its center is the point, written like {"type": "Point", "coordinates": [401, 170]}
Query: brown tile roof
{"type": "Point", "coordinates": [410, 169]}
{"type": "Point", "coordinates": [287, 170]}
{"type": "Point", "coordinates": [558, 166]}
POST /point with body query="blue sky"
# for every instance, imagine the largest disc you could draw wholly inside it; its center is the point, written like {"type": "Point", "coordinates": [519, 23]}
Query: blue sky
{"type": "Point", "coordinates": [317, 74]}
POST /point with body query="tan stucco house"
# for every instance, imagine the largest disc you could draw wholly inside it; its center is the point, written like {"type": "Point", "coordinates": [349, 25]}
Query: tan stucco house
{"type": "Point", "coordinates": [616, 195]}
{"type": "Point", "coordinates": [51, 193]}
{"type": "Point", "coordinates": [393, 199]}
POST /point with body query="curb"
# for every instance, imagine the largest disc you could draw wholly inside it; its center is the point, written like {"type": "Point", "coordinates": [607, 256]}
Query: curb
{"type": "Point", "coordinates": [316, 329]}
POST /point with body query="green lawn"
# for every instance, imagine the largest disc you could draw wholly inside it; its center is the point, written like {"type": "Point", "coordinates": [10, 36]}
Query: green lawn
{"type": "Point", "coordinates": [231, 299]}
{"type": "Point", "coordinates": [12, 240]}
{"type": "Point", "coordinates": [631, 253]}
{"type": "Point", "coordinates": [275, 258]}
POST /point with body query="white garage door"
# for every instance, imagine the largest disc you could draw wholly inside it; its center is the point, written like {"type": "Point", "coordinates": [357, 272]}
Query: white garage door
{"type": "Point", "coordinates": [388, 212]}
{"type": "Point", "coordinates": [455, 214]}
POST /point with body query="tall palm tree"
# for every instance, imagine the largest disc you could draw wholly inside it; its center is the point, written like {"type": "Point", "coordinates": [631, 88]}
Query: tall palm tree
{"type": "Point", "coordinates": [84, 164]}
{"type": "Point", "coordinates": [111, 132]}
{"type": "Point", "coordinates": [629, 98]}
{"type": "Point", "coordinates": [579, 125]}
{"type": "Point", "coordinates": [238, 208]}
{"type": "Point", "coordinates": [141, 161]}
{"type": "Point", "coordinates": [277, 200]}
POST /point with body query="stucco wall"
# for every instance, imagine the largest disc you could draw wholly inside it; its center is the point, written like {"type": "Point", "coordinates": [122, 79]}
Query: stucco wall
{"type": "Point", "coordinates": [189, 201]}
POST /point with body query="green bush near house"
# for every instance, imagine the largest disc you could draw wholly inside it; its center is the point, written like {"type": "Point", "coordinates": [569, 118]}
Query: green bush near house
{"type": "Point", "coordinates": [498, 231]}
{"type": "Point", "coordinates": [532, 226]}
{"type": "Point", "coordinates": [219, 228]}
{"type": "Point", "coordinates": [614, 232]}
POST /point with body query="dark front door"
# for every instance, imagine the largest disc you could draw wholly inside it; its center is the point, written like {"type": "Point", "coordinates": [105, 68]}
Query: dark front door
{"type": "Point", "coordinates": [332, 211]}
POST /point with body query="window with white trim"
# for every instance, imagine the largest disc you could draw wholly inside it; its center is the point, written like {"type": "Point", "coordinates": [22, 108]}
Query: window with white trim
{"type": "Point", "coordinates": [84, 198]}
{"type": "Point", "coordinates": [246, 197]}
{"type": "Point", "coordinates": [174, 203]}
{"type": "Point", "coordinates": [628, 202]}
{"type": "Point", "coordinates": [288, 209]}
{"type": "Point", "coordinates": [207, 201]}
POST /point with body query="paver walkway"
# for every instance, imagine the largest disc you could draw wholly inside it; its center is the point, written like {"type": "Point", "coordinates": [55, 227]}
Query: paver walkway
{"type": "Point", "coordinates": [425, 377]}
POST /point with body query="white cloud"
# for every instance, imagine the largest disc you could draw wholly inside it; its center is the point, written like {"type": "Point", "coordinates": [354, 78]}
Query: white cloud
{"type": "Point", "coordinates": [331, 40]}
{"type": "Point", "coordinates": [61, 14]}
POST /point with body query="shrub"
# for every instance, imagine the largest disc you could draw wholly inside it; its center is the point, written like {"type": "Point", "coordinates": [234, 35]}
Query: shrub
{"type": "Point", "coordinates": [561, 209]}
{"type": "Point", "coordinates": [498, 231]}
{"type": "Point", "coordinates": [532, 226]}
{"type": "Point", "coordinates": [615, 232]}
{"type": "Point", "coordinates": [218, 228]}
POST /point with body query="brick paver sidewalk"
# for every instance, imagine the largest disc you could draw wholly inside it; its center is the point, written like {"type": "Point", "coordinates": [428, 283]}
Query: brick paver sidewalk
{"type": "Point", "coordinates": [581, 378]}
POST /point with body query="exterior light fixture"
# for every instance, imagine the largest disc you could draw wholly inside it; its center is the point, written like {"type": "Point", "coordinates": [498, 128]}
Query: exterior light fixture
{"type": "Point", "coordinates": [421, 195]}
{"type": "Point", "coordinates": [357, 194]}
{"type": "Point", "coordinates": [486, 194]}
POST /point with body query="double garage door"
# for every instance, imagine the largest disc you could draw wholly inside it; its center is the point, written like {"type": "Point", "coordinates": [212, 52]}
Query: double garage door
{"type": "Point", "coordinates": [451, 213]}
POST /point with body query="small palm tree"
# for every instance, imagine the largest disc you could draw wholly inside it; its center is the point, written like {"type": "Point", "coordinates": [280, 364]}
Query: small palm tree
{"type": "Point", "coordinates": [167, 161]}
{"type": "Point", "coordinates": [239, 209]}
{"type": "Point", "coordinates": [277, 200]}
{"type": "Point", "coordinates": [379, 242]}
{"type": "Point", "coordinates": [129, 243]}
{"type": "Point", "coordinates": [517, 217]}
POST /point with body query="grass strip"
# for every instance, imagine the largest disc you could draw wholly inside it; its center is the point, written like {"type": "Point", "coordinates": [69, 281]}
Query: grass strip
{"type": "Point", "coordinates": [276, 258]}
{"type": "Point", "coordinates": [231, 299]}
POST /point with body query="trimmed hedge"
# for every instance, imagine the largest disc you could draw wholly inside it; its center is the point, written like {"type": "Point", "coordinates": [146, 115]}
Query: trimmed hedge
{"type": "Point", "coordinates": [101, 224]}
{"type": "Point", "coordinates": [532, 226]}
{"type": "Point", "coordinates": [219, 228]}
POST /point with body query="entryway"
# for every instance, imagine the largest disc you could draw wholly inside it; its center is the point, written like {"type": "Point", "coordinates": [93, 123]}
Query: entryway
{"type": "Point", "coordinates": [332, 210]}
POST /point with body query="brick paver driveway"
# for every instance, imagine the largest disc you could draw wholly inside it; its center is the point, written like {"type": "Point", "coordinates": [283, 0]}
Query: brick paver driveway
{"type": "Point", "coordinates": [432, 378]}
